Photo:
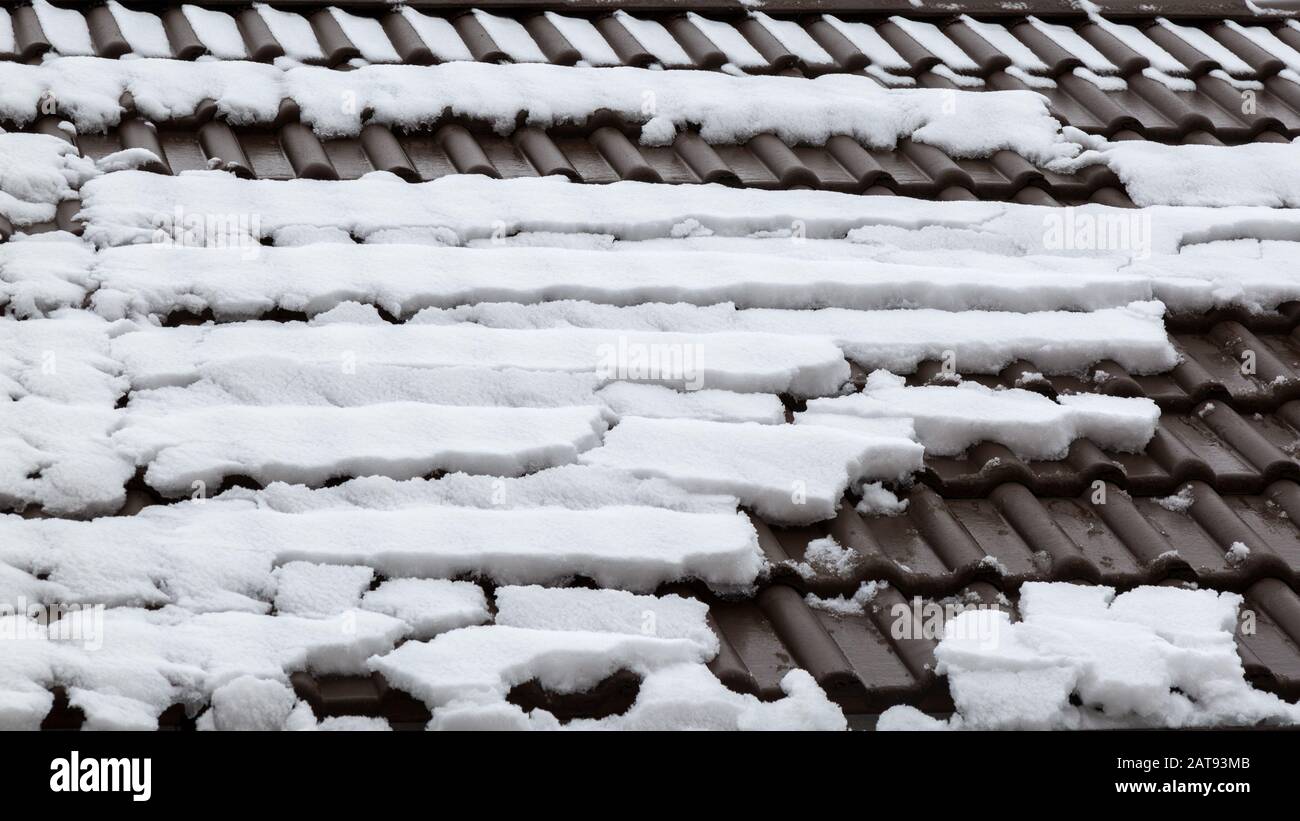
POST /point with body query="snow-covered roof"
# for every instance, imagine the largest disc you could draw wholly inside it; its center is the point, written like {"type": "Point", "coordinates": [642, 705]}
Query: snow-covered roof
{"type": "Point", "coordinates": [376, 367]}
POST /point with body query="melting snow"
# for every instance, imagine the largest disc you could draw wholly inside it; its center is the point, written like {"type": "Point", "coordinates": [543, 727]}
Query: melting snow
{"type": "Point", "coordinates": [1152, 657]}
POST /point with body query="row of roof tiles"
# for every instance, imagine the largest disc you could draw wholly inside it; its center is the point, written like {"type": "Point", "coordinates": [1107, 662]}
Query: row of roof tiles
{"type": "Point", "coordinates": [752, 42]}
{"type": "Point", "coordinates": [1009, 536]}
{"type": "Point", "coordinates": [1099, 76]}
{"type": "Point", "coordinates": [865, 662]}
{"type": "Point", "coordinates": [1225, 363]}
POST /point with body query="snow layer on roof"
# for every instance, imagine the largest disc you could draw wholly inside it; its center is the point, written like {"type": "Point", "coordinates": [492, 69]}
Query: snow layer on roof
{"type": "Point", "coordinates": [429, 606]}
{"type": "Point", "coordinates": [218, 554]}
{"type": "Point", "coordinates": [575, 487]}
{"type": "Point", "coordinates": [655, 39]}
{"type": "Point", "coordinates": [568, 640]}
{"type": "Point", "coordinates": [292, 31]}
{"type": "Point", "coordinates": [1261, 174]}
{"type": "Point", "coordinates": [867, 40]}
{"type": "Point", "coordinates": [1207, 45]}
{"type": "Point", "coordinates": [1133, 37]}
{"type": "Point", "coordinates": [933, 40]}
{"type": "Point", "coordinates": [979, 341]}
{"type": "Point", "coordinates": [249, 703]}
{"type": "Point", "coordinates": [746, 362]}
{"type": "Point", "coordinates": [403, 279]}
{"type": "Point", "coordinates": [1074, 44]}
{"type": "Point", "coordinates": [43, 273]}
{"type": "Point", "coordinates": [606, 611]}
{"type": "Point", "coordinates": [66, 29]}
{"type": "Point", "coordinates": [121, 208]}
{"type": "Point", "coordinates": [484, 663]}
{"type": "Point", "coordinates": [787, 473]}
{"type": "Point", "coordinates": [217, 30]}
{"type": "Point", "coordinates": [123, 667]}
{"type": "Point", "coordinates": [1004, 41]}
{"type": "Point", "coordinates": [314, 444]}
{"type": "Point", "coordinates": [306, 589]}
{"type": "Point", "coordinates": [1152, 657]}
{"type": "Point", "coordinates": [142, 30]}
{"type": "Point", "coordinates": [948, 420]}
{"type": "Point", "coordinates": [725, 108]}
{"type": "Point", "coordinates": [438, 34]}
{"type": "Point", "coordinates": [367, 34]}
{"type": "Point", "coordinates": [511, 36]}
{"type": "Point", "coordinates": [728, 38]}
{"type": "Point", "coordinates": [271, 380]}
{"type": "Point", "coordinates": [794, 37]}
{"type": "Point", "coordinates": [689, 697]}
{"type": "Point", "coordinates": [65, 358]}
{"type": "Point", "coordinates": [583, 35]}
{"type": "Point", "coordinates": [60, 457]}
{"type": "Point", "coordinates": [37, 172]}
{"type": "Point", "coordinates": [656, 401]}
{"type": "Point", "coordinates": [7, 43]}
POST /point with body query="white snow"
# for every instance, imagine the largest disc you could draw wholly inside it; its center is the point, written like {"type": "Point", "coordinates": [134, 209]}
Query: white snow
{"type": "Point", "coordinates": [583, 35]}
{"type": "Point", "coordinates": [1261, 174]}
{"type": "Point", "coordinates": [933, 40]}
{"type": "Point", "coordinates": [998, 37]}
{"type": "Point", "coordinates": [438, 34]}
{"type": "Point", "coordinates": [867, 40]}
{"type": "Point", "coordinates": [655, 39]}
{"type": "Point", "coordinates": [950, 419]}
{"type": "Point", "coordinates": [606, 611]}
{"type": "Point", "coordinates": [429, 606]}
{"type": "Point", "coordinates": [877, 500]}
{"type": "Point", "coordinates": [272, 381]}
{"type": "Point", "coordinates": [250, 703]}
{"type": "Point", "coordinates": [1074, 44]}
{"type": "Point", "coordinates": [511, 37]}
{"type": "Point", "coordinates": [292, 31]}
{"type": "Point", "coordinates": [217, 30]}
{"type": "Point", "coordinates": [314, 444]}
{"type": "Point", "coordinates": [218, 554]}
{"type": "Point", "coordinates": [728, 38]}
{"type": "Point", "coordinates": [306, 589]}
{"type": "Point", "coordinates": [1180, 502]}
{"type": "Point", "coordinates": [1133, 37]}
{"type": "Point", "coordinates": [37, 171]}
{"type": "Point", "coordinates": [1236, 554]}
{"type": "Point", "coordinates": [404, 279]}
{"type": "Point", "coordinates": [726, 108]}
{"type": "Point", "coordinates": [825, 556]}
{"type": "Point", "coordinates": [123, 667]}
{"type": "Point", "coordinates": [64, 358]}
{"type": "Point", "coordinates": [1269, 42]}
{"type": "Point", "coordinates": [568, 640]}
{"type": "Point", "coordinates": [367, 34]}
{"type": "Point", "coordinates": [746, 362]}
{"type": "Point", "coordinates": [483, 663]}
{"type": "Point", "coordinates": [66, 29]}
{"type": "Point", "coordinates": [1207, 45]}
{"type": "Point", "coordinates": [981, 341]}
{"type": "Point", "coordinates": [795, 38]}
{"type": "Point", "coordinates": [689, 697]}
{"type": "Point", "coordinates": [1152, 657]}
{"type": "Point", "coordinates": [854, 605]}
{"type": "Point", "coordinates": [43, 273]}
{"type": "Point", "coordinates": [787, 473]}
{"type": "Point", "coordinates": [142, 30]}
{"type": "Point", "coordinates": [60, 457]}
{"type": "Point", "coordinates": [7, 43]}
{"type": "Point", "coordinates": [656, 401]}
